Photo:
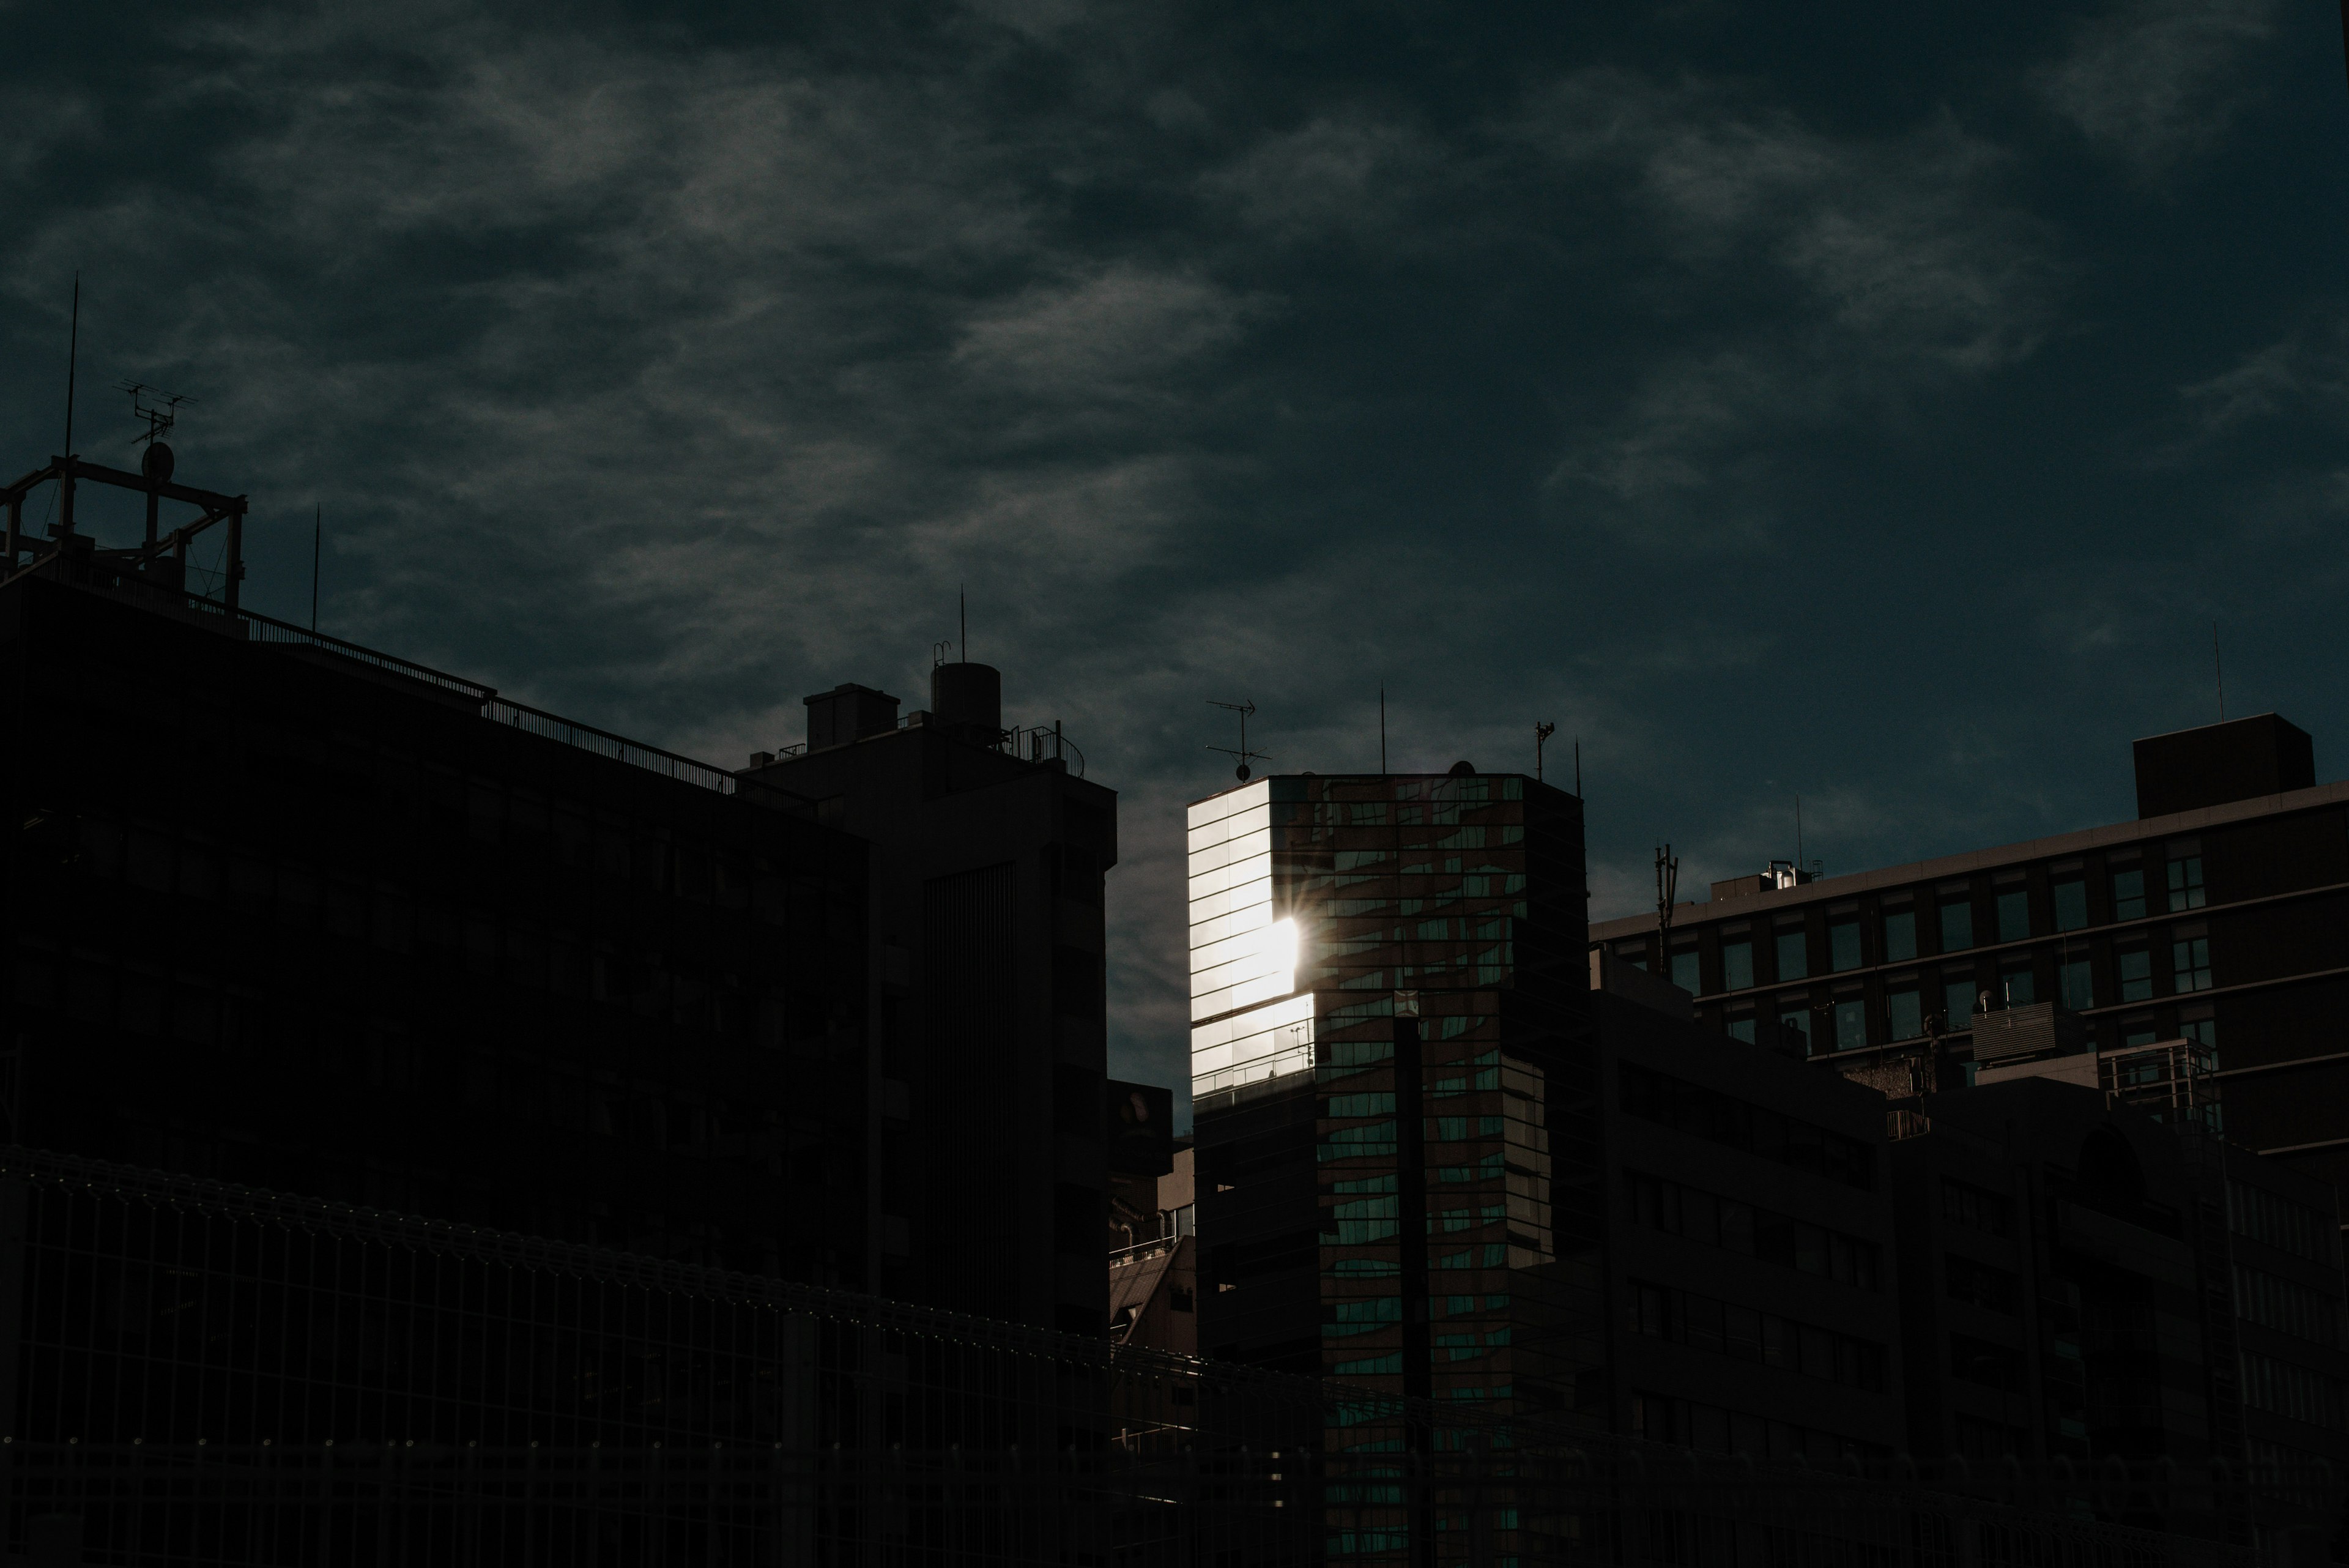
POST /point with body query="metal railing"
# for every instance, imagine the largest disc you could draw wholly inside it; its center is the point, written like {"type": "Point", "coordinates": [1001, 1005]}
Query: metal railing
{"type": "Point", "coordinates": [1034, 744]}
{"type": "Point", "coordinates": [255, 627]}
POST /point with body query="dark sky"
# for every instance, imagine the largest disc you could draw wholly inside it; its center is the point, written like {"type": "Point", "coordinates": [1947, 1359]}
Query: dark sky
{"type": "Point", "coordinates": [1874, 403]}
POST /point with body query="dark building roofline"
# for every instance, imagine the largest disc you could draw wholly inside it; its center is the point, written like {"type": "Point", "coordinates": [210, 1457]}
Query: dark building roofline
{"type": "Point", "coordinates": [359, 662]}
{"type": "Point", "coordinates": [1979, 860]}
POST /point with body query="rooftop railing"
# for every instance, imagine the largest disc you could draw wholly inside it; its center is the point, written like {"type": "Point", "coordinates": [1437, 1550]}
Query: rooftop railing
{"type": "Point", "coordinates": [99, 577]}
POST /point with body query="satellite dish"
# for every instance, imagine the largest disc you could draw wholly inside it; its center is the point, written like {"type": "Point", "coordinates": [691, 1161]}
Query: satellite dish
{"type": "Point", "coordinates": [156, 465]}
{"type": "Point", "coordinates": [1241, 773]}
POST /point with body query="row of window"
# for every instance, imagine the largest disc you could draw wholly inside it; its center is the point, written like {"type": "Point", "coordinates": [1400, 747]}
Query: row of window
{"type": "Point", "coordinates": [151, 855]}
{"type": "Point", "coordinates": [2292, 1391]}
{"type": "Point", "coordinates": [201, 1012]}
{"type": "Point", "coordinates": [1749, 1230]}
{"type": "Point", "coordinates": [1693, 1424]}
{"type": "Point", "coordinates": [1910, 1005]}
{"type": "Point", "coordinates": [1745, 1333]}
{"type": "Point", "coordinates": [1953, 921]}
{"type": "Point", "coordinates": [1738, 1124]}
{"type": "Point", "coordinates": [2287, 1306]}
{"type": "Point", "coordinates": [2279, 1222]}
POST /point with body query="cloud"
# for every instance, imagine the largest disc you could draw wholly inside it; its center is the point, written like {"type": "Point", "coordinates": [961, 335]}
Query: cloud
{"type": "Point", "coordinates": [2156, 84]}
{"type": "Point", "coordinates": [2304, 374]}
{"type": "Point", "coordinates": [1869, 270]}
{"type": "Point", "coordinates": [1350, 176]}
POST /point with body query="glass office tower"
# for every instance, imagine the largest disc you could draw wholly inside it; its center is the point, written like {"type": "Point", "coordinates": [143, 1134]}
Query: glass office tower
{"type": "Point", "coordinates": [1393, 1085]}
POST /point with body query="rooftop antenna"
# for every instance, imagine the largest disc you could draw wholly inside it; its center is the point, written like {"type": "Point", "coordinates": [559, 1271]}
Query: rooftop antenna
{"type": "Point", "coordinates": [1382, 729]}
{"type": "Point", "coordinates": [2221, 669]}
{"type": "Point", "coordinates": [317, 533]}
{"type": "Point", "coordinates": [1246, 711]}
{"type": "Point", "coordinates": [73, 359]}
{"type": "Point", "coordinates": [161, 410]}
{"type": "Point", "coordinates": [1541, 732]}
{"type": "Point", "coordinates": [962, 610]}
{"type": "Point", "coordinates": [1578, 767]}
{"type": "Point", "coordinates": [1798, 830]}
{"type": "Point", "coordinates": [1668, 883]}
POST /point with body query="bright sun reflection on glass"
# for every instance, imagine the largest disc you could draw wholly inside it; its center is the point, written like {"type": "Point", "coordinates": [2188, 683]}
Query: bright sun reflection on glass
{"type": "Point", "coordinates": [1278, 946]}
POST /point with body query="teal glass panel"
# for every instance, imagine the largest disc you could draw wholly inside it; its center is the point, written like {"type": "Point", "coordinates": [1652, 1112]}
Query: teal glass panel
{"type": "Point", "coordinates": [1904, 1011]}
{"type": "Point", "coordinates": [1899, 936]}
{"type": "Point", "coordinates": [1793, 954]}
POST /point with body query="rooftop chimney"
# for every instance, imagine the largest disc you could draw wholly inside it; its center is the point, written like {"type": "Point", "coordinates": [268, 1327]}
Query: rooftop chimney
{"type": "Point", "coordinates": [2242, 758]}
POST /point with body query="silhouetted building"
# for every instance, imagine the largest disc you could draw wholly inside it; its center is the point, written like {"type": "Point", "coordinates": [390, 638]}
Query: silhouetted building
{"type": "Point", "coordinates": [1394, 1088]}
{"type": "Point", "coordinates": [985, 956]}
{"type": "Point", "coordinates": [2220, 920]}
{"type": "Point", "coordinates": [2234, 1304]}
{"type": "Point", "coordinates": [1752, 1267]}
{"type": "Point", "coordinates": [301, 915]}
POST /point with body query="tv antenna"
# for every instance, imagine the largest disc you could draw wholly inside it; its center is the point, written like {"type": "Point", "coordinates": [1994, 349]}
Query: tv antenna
{"type": "Point", "coordinates": [160, 409]}
{"type": "Point", "coordinates": [1541, 732]}
{"type": "Point", "coordinates": [1243, 756]}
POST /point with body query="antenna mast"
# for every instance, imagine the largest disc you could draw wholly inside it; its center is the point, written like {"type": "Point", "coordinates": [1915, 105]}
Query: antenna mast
{"type": "Point", "coordinates": [1246, 711]}
{"type": "Point", "coordinates": [73, 359]}
{"type": "Point", "coordinates": [2221, 669]}
{"type": "Point", "coordinates": [1541, 732]}
{"type": "Point", "coordinates": [1668, 883]}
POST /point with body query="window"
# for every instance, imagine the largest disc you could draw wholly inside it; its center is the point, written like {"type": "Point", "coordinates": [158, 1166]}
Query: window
{"type": "Point", "coordinates": [1899, 935]}
{"type": "Point", "coordinates": [1978, 1361]}
{"type": "Point", "coordinates": [2204, 1034]}
{"type": "Point", "coordinates": [1905, 1012]}
{"type": "Point", "coordinates": [1796, 1019]}
{"type": "Point", "coordinates": [1958, 1000]}
{"type": "Point", "coordinates": [2078, 984]}
{"type": "Point", "coordinates": [1957, 927]}
{"type": "Point", "coordinates": [1976, 1207]}
{"type": "Point", "coordinates": [1741, 1028]}
{"type": "Point", "coordinates": [1793, 954]}
{"type": "Point", "coordinates": [1850, 1023]}
{"type": "Point", "coordinates": [2018, 986]}
{"type": "Point", "coordinates": [2136, 974]}
{"type": "Point", "coordinates": [1633, 954]}
{"type": "Point", "coordinates": [2013, 914]}
{"type": "Point", "coordinates": [2071, 905]}
{"type": "Point", "coordinates": [2128, 894]}
{"type": "Point", "coordinates": [2190, 962]}
{"type": "Point", "coordinates": [1684, 970]}
{"type": "Point", "coordinates": [1979, 1283]}
{"type": "Point", "coordinates": [1843, 944]}
{"type": "Point", "coordinates": [2186, 884]}
{"type": "Point", "coordinates": [1737, 964]}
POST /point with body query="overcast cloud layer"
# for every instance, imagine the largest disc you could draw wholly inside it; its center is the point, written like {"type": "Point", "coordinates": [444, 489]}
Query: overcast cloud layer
{"type": "Point", "coordinates": [1874, 404]}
